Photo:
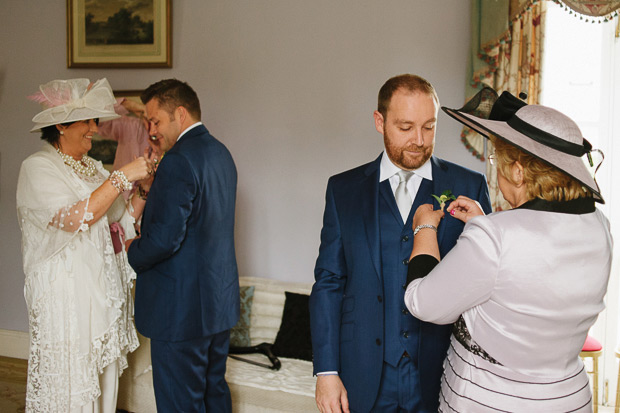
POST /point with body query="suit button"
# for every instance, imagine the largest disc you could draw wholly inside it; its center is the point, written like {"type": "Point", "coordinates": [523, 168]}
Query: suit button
{"type": "Point", "coordinates": [405, 238]}
{"type": "Point", "coordinates": [405, 311]}
{"type": "Point", "coordinates": [406, 261]}
{"type": "Point", "coordinates": [378, 341]}
{"type": "Point", "coordinates": [406, 334]}
{"type": "Point", "coordinates": [379, 298]}
{"type": "Point", "coordinates": [404, 286]}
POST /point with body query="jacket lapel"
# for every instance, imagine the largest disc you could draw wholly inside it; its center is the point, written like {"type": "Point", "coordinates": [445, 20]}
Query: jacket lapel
{"type": "Point", "coordinates": [370, 212]}
{"type": "Point", "coordinates": [423, 196]}
{"type": "Point", "coordinates": [441, 182]}
{"type": "Point", "coordinates": [386, 193]}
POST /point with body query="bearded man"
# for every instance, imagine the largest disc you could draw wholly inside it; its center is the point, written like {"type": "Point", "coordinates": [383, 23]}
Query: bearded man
{"type": "Point", "coordinates": [370, 353]}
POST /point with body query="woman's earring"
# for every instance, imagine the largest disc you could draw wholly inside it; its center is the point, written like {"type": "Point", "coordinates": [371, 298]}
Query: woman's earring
{"type": "Point", "coordinates": [62, 133]}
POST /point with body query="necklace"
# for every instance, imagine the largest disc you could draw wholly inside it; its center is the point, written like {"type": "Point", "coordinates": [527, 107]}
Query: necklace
{"type": "Point", "coordinates": [84, 167]}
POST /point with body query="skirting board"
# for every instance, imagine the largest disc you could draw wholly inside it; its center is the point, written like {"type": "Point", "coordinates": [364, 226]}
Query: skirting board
{"type": "Point", "coordinates": [14, 344]}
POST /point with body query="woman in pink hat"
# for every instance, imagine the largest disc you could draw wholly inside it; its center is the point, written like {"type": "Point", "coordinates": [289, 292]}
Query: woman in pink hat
{"type": "Point", "coordinates": [523, 286]}
{"type": "Point", "coordinates": [78, 282]}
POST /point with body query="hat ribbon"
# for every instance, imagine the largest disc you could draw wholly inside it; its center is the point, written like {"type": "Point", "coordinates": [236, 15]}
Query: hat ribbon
{"type": "Point", "coordinates": [96, 99]}
{"type": "Point", "coordinates": [548, 139]}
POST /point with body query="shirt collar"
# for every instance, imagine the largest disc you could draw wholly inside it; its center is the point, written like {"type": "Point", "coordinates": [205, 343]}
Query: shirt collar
{"type": "Point", "coordinates": [188, 129]}
{"type": "Point", "coordinates": [387, 169]}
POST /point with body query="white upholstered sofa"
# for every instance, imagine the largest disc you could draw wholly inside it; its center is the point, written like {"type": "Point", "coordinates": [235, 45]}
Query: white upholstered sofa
{"type": "Point", "coordinates": [253, 389]}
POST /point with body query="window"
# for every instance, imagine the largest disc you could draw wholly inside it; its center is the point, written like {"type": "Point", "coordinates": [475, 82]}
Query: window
{"type": "Point", "coordinates": [581, 78]}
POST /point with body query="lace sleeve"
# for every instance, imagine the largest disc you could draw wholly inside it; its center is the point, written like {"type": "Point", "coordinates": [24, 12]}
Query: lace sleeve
{"type": "Point", "coordinates": [52, 208]}
{"type": "Point", "coordinates": [73, 218]}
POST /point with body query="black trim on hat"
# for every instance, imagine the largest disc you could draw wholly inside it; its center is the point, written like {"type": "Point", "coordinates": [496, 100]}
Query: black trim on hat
{"type": "Point", "coordinates": [505, 107]}
{"type": "Point", "coordinates": [548, 139]}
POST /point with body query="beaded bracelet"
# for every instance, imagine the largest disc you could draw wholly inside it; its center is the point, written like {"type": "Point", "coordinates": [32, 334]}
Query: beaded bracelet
{"type": "Point", "coordinates": [419, 227]}
{"type": "Point", "coordinates": [120, 181]}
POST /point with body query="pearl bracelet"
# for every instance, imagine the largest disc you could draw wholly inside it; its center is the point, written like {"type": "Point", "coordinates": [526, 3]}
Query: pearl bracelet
{"type": "Point", "coordinates": [120, 181]}
{"type": "Point", "coordinates": [419, 227]}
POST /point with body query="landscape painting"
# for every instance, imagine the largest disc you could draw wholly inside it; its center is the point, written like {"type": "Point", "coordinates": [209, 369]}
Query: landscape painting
{"type": "Point", "coordinates": [119, 33]}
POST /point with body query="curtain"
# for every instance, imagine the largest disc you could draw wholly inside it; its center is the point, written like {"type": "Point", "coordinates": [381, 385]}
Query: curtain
{"type": "Point", "coordinates": [605, 9]}
{"type": "Point", "coordinates": [505, 55]}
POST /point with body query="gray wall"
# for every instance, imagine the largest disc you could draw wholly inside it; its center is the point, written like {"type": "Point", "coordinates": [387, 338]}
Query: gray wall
{"type": "Point", "coordinates": [288, 85]}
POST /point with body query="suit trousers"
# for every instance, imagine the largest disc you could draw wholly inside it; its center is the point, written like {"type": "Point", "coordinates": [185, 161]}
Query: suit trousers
{"type": "Point", "coordinates": [399, 390]}
{"type": "Point", "coordinates": [188, 376]}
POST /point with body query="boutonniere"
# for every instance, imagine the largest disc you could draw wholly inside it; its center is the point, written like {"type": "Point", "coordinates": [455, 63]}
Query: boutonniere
{"type": "Point", "coordinates": [443, 198]}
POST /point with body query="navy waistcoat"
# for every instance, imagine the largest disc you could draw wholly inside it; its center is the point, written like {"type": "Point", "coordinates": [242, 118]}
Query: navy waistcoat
{"type": "Point", "coordinates": [402, 330]}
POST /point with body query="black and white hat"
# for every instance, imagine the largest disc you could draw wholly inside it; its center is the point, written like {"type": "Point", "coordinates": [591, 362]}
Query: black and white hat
{"type": "Point", "coordinates": [538, 130]}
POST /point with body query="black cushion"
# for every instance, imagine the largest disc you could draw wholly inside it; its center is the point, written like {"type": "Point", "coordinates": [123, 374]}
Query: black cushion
{"type": "Point", "coordinates": [293, 339]}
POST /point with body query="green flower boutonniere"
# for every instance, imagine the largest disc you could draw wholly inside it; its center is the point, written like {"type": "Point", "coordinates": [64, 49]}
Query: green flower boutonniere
{"type": "Point", "coordinates": [444, 197]}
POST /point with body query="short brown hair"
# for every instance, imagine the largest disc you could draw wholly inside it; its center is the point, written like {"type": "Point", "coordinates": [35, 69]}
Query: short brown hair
{"type": "Point", "coordinates": [172, 93]}
{"type": "Point", "coordinates": [411, 83]}
{"type": "Point", "coordinates": [541, 179]}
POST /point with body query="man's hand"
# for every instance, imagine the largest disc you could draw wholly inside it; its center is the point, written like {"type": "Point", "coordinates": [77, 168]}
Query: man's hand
{"type": "Point", "coordinates": [331, 396]}
{"type": "Point", "coordinates": [128, 243]}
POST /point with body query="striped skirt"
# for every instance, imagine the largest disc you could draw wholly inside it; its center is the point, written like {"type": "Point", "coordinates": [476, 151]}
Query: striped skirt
{"type": "Point", "coordinates": [472, 384]}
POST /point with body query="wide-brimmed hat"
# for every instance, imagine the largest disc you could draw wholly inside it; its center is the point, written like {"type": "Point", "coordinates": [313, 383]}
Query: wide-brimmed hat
{"type": "Point", "coordinates": [73, 100]}
{"type": "Point", "coordinates": [538, 130]}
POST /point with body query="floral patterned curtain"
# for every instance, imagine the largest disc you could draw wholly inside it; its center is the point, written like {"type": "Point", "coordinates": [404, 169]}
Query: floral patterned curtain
{"type": "Point", "coordinates": [506, 55]}
{"type": "Point", "coordinates": [605, 9]}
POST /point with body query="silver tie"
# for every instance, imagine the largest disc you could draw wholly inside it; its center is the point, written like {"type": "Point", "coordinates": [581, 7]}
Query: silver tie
{"type": "Point", "coordinates": [402, 195]}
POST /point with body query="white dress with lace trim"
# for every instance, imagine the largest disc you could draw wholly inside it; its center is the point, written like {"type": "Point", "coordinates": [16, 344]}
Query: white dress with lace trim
{"type": "Point", "coordinates": [78, 291]}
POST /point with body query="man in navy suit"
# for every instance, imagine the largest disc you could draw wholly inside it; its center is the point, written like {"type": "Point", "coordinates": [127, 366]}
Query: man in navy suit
{"type": "Point", "coordinates": [370, 353]}
{"type": "Point", "coordinates": [187, 290]}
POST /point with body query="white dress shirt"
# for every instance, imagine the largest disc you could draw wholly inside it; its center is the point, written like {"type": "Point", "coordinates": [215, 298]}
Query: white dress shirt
{"type": "Point", "coordinates": [188, 129]}
{"type": "Point", "coordinates": [387, 170]}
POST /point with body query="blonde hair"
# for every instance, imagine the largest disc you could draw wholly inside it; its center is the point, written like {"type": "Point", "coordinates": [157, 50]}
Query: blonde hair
{"type": "Point", "coordinates": [540, 178]}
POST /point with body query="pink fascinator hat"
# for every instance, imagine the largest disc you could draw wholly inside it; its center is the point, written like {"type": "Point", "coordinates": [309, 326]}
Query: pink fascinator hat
{"type": "Point", "coordinates": [73, 100]}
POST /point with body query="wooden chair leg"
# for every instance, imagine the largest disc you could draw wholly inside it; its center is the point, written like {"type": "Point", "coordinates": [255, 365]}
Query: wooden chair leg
{"type": "Point", "coordinates": [617, 409]}
{"type": "Point", "coordinates": [594, 355]}
{"type": "Point", "coordinates": [595, 383]}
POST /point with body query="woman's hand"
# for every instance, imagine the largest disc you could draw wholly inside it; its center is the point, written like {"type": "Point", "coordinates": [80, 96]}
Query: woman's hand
{"type": "Point", "coordinates": [426, 215]}
{"type": "Point", "coordinates": [137, 108]}
{"type": "Point", "coordinates": [426, 240]}
{"type": "Point", "coordinates": [464, 208]}
{"type": "Point", "coordinates": [137, 169]}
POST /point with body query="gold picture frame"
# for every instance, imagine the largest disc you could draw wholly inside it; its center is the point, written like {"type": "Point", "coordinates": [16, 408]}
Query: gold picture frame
{"type": "Point", "coordinates": [110, 34]}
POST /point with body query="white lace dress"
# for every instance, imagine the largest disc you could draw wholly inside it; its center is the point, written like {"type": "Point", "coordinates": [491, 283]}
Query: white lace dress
{"type": "Point", "coordinates": [78, 291]}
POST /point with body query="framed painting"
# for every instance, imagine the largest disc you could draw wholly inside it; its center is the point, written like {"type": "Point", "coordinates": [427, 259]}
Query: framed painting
{"type": "Point", "coordinates": [119, 33]}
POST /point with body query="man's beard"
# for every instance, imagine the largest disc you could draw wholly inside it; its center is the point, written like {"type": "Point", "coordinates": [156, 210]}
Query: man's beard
{"type": "Point", "coordinates": [398, 157]}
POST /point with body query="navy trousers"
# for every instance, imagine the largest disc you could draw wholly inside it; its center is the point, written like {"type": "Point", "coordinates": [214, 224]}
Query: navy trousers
{"type": "Point", "coordinates": [188, 376]}
{"type": "Point", "coordinates": [400, 389]}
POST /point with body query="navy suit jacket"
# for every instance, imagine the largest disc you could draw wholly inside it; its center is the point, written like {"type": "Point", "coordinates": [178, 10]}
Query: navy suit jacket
{"type": "Point", "coordinates": [347, 319]}
{"type": "Point", "coordinates": [188, 284]}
